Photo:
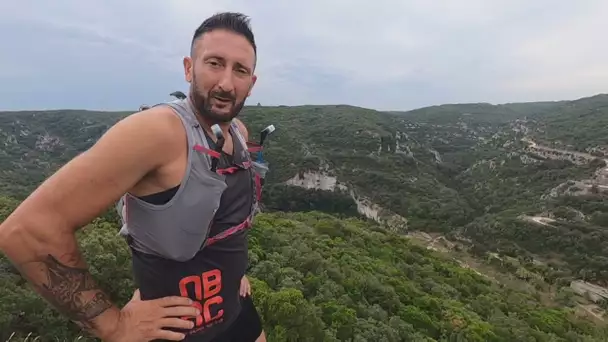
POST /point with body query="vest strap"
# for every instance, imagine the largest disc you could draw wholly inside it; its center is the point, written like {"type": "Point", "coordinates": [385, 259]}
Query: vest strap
{"type": "Point", "coordinates": [253, 147]}
{"type": "Point", "coordinates": [206, 150]}
{"type": "Point", "coordinates": [230, 231]}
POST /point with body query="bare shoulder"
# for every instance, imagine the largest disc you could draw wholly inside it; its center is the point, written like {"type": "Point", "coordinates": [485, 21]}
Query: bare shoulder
{"type": "Point", "coordinates": [242, 128]}
{"type": "Point", "coordinates": [160, 123]}
{"type": "Point", "coordinates": [158, 128]}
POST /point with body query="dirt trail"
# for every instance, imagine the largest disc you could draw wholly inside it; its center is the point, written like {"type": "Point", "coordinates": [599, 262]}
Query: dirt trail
{"type": "Point", "coordinates": [545, 221]}
{"type": "Point", "coordinates": [594, 311]}
{"type": "Point", "coordinates": [535, 145]}
{"type": "Point", "coordinates": [601, 176]}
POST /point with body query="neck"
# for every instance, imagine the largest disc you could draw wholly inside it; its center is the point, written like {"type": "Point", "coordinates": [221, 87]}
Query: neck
{"type": "Point", "coordinates": [206, 123]}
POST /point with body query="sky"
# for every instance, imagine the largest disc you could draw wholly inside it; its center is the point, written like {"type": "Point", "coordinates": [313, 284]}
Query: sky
{"type": "Point", "coordinates": [381, 54]}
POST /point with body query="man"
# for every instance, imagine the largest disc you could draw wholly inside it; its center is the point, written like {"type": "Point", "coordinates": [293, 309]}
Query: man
{"type": "Point", "coordinates": [175, 205]}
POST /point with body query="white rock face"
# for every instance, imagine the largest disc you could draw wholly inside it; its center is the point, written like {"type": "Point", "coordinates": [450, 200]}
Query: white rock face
{"type": "Point", "coordinates": [314, 180]}
{"type": "Point", "coordinates": [322, 181]}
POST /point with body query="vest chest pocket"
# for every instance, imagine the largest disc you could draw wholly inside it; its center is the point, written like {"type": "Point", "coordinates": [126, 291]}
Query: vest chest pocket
{"type": "Point", "coordinates": [179, 231]}
{"type": "Point", "coordinates": [201, 200]}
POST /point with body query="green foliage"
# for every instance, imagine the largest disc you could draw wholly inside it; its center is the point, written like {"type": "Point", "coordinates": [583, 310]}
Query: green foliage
{"type": "Point", "coordinates": [288, 198]}
{"type": "Point", "coordinates": [318, 278]}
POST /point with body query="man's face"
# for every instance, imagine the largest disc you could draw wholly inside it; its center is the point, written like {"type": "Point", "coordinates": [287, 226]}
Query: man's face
{"type": "Point", "coordinates": [220, 73]}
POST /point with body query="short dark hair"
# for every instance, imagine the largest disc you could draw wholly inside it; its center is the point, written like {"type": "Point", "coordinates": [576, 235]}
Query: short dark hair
{"type": "Point", "coordinates": [232, 21]}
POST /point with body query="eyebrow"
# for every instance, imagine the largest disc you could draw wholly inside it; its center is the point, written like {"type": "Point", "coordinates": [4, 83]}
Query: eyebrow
{"type": "Point", "coordinates": [238, 64]}
{"type": "Point", "coordinates": [243, 66]}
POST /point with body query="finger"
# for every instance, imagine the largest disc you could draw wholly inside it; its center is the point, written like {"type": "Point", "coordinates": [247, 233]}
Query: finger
{"type": "Point", "coordinates": [175, 323]}
{"type": "Point", "coordinates": [136, 295]}
{"type": "Point", "coordinates": [180, 311]}
{"type": "Point", "coordinates": [169, 335]}
{"type": "Point", "coordinates": [173, 301]}
{"type": "Point", "coordinates": [248, 289]}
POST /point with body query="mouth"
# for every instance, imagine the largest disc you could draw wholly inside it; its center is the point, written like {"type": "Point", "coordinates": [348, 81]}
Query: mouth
{"type": "Point", "coordinates": [222, 100]}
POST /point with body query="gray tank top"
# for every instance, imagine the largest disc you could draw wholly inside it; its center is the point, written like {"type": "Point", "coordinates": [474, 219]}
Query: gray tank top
{"type": "Point", "coordinates": [178, 230]}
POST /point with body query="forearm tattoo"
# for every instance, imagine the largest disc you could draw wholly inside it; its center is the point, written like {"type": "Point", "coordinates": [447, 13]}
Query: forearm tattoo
{"type": "Point", "coordinates": [72, 291]}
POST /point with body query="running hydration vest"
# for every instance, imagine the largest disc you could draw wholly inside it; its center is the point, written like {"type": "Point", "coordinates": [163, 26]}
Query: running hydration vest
{"type": "Point", "coordinates": [178, 229]}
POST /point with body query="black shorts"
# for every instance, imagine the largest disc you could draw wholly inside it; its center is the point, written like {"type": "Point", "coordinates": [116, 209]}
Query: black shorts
{"type": "Point", "coordinates": [247, 327]}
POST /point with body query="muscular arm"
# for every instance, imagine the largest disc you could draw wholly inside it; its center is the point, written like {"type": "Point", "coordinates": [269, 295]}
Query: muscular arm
{"type": "Point", "coordinates": [38, 237]}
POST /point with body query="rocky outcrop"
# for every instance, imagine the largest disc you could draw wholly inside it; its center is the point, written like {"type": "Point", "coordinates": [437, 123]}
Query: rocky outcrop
{"type": "Point", "coordinates": [592, 291]}
{"type": "Point", "coordinates": [320, 180]}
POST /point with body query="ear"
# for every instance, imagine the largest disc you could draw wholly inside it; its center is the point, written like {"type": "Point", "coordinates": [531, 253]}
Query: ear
{"type": "Point", "coordinates": [188, 69]}
{"type": "Point", "coordinates": [253, 79]}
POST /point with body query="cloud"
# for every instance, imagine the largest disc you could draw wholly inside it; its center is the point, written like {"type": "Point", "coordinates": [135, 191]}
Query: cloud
{"type": "Point", "coordinates": [384, 54]}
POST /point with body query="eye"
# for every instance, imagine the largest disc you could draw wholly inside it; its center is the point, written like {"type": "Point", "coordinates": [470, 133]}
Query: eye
{"type": "Point", "coordinates": [214, 63]}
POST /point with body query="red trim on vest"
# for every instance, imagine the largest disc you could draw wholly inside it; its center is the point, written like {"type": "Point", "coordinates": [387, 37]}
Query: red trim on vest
{"type": "Point", "coordinates": [258, 187]}
{"type": "Point", "coordinates": [236, 167]}
{"type": "Point", "coordinates": [253, 147]}
{"type": "Point", "coordinates": [205, 150]}
{"type": "Point", "coordinates": [228, 170]}
{"type": "Point", "coordinates": [229, 232]}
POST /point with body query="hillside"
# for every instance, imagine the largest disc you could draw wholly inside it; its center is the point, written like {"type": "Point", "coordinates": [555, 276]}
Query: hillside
{"type": "Point", "coordinates": [318, 278]}
{"type": "Point", "coordinates": [511, 191]}
{"type": "Point", "coordinates": [34, 144]}
{"type": "Point", "coordinates": [579, 125]}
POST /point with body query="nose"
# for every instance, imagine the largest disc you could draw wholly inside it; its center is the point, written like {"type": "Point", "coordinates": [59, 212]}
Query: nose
{"type": "Point", "coordinates": [226, 82]}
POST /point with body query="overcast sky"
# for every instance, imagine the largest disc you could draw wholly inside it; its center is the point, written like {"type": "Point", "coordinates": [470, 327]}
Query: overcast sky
{"type": "Point", "coordinates": [382, 54]}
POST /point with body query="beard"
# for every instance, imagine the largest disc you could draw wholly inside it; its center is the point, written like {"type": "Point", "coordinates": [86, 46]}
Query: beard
{"type": "Point", "coordinates": [202, 104]}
